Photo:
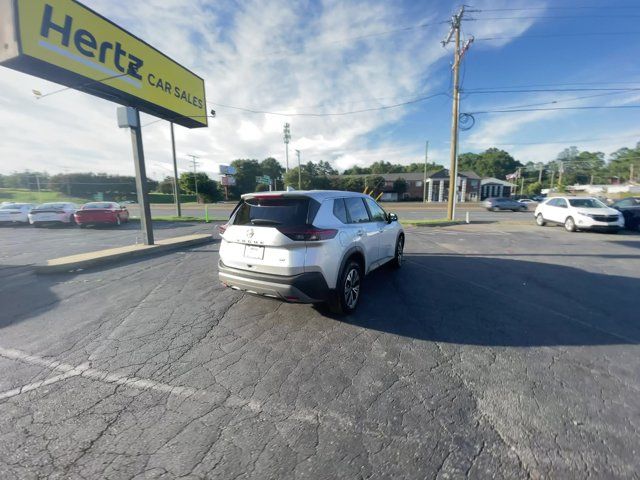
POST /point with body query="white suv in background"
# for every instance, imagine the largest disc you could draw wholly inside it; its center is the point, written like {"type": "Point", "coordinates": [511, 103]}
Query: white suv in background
{"type": "Point", "coordinates": [579, 213]}
{"type": "Point", "coordinates": [308, 246]}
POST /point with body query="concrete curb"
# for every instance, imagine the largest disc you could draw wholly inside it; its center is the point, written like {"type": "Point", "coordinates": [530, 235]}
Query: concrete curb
{"type": "Point", "coordinates": [113, 255]}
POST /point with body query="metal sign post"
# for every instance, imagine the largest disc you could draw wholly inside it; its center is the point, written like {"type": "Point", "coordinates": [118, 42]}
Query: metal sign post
{"type": "Point", "coordinates": [129, 117]}
{"type": "Point", "coordinates": [176, 187]}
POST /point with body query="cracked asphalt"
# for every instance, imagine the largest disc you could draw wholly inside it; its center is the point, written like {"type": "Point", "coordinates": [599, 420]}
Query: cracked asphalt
{"type": "Point", "coordinates": [502, 351]}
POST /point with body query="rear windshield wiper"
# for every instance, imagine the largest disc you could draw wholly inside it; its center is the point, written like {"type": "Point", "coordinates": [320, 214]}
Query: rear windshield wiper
{"type": "Point", "coordinates": [264, 221]}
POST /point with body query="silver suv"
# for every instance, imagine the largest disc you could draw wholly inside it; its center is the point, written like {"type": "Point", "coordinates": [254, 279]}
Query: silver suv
{"type": "Point", "coordinates": [308, 246]}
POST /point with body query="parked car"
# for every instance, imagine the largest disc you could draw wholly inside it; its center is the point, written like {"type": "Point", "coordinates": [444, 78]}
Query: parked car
{"type": "Point", "coordinates": [47, 213]}
{"type": "Point", "coordinates": [498, 203]}
{"type": "Point", "coordinates": [579, 213]}
{"type": "Point", "coordinates": [538, 198]}
{"type": "Point", "coordinates": [630, 208]}
{"type": "Point", "coordinates": [15, 212]}
{"type": "Point", "coordinates": [99, 213]}
{"type": "Point", "coordinates": [526, 200]}
{"type": "Point", "coordinates": [308, 247]}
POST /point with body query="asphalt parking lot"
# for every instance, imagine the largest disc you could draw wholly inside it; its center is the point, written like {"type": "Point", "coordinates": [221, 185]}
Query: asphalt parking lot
{"type": "Point", "coordinates": [25, 245]}
{"type": "Point", "coordinates": [499, 350]}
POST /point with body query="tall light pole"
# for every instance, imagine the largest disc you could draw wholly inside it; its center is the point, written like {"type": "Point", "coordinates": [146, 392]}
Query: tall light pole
{"type": "Point", "coordinates": [287, 138]}
{"type": "Point", "coordinates": [299, 171]}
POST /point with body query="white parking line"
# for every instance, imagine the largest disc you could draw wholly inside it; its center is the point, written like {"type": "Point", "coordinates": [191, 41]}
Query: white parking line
{"type": "Point", "coordinates": [311, 416]}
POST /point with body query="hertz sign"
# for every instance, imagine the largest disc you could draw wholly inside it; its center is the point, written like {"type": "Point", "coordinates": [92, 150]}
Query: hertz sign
{"type": "Point", "coordinates": [68, 43]}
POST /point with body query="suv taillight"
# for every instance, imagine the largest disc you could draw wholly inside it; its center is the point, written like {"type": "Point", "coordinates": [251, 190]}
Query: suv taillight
{"type": "Point", "coordinates": [308, 233]}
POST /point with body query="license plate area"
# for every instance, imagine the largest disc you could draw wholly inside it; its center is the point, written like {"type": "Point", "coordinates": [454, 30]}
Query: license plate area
{"type": "Point", "coordinates": [254, 252]}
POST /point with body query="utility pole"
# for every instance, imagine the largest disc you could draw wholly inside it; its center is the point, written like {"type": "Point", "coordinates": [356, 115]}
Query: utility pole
{"type": "Point", "coordinates": [560, 172]}
{"type": "Point", "coordinates": [176, 188]}
{"type": "Point", "coordinates": [631, 172]}
{"type": "Point", "coordinates": [540, 166]}
{"type": "Point", "coordinates": [195, 176]}
{"type": "Point", "coordinates": [424, 183]}
{"type": "Point", "coordinates": [299, 171]}
{"type": "Point", "coordinates": [553, 176]}
{"type": "Point", "coordinates": [287, 138]}
{"type": "Point", "coordinates": [521, 181]}
{"type": "Point", "coordinates": [458, 54]}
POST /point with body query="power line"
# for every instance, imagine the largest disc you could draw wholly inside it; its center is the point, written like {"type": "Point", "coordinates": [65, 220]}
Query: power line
{"type": "Point", "coordinates": [574, 7]}
{"type": "Point", "coordinates": [548, 17]}
{"type": "Point", "coordinates": [592, 107]}
{"type": "Point", "coordinates": [551, 35]}
{"type": "Point", "coordinates": [540, 90]}
{"type": "Point", "coordinates": [555, 85]}
{"type": "Point", "coordinates": [331, 114]}
{"type": "Point", "coordinates": [563, 100]}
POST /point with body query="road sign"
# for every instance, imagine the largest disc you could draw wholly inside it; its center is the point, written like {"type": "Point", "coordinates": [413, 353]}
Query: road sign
{"type": "Point", "coordinates": [228, 181]}
{"type": "Point", "coordinates": [264, 180]}
{"type": "Point", "coordinates": [65, 42]}
{"type": "Point", "coordinates": [227, 170]}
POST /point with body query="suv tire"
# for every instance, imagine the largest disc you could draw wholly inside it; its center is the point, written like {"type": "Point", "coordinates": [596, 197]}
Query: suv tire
{"type": "Point", "coordinates": [348, 289]}
{"type": "Point", "coordinates": [570, 224]}
{"type": "Point", "coordinates": [399, 256]}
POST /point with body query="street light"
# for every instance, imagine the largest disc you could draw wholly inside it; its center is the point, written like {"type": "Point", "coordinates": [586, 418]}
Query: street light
{"type": "Point", "coordinates": [299, 171]}
{"type": "Point", "coordinates": [287, 137]}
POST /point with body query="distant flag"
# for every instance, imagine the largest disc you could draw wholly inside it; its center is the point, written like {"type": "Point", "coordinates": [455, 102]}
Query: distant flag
{"type": "Point", "coordinates": [513, 176]}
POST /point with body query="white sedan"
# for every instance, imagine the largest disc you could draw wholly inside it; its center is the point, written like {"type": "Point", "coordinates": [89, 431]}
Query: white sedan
{"type": "Point", "coordinates": [579, 213]}
{"type": "Point", "coordinates": [59, 212]}
{"type": "Point", "coordinates": [15, 212]}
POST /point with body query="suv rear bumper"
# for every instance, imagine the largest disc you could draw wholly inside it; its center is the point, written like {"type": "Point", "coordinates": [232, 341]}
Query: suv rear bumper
{"type": "Point", "coordinates": [310, 287]}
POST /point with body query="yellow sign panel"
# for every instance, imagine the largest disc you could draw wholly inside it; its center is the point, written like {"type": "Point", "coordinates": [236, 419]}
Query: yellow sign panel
{"type": "Point", "coordinates": [66, 42]}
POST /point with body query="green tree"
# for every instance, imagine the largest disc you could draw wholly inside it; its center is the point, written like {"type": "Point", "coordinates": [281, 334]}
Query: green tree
{"type": "Point", "coordinates": [208, 189]}
{"type": "Point", "coordinates": [356, 170]}
{"type": "Point", "coordinates": [351, 184]}
{"type": "Point", "coordinates": [325, 168]}
{"type": "Point", "coordinates": [419, 167]}
{"type": "Point", "coordinates": [166, 185]}
{"type": "Point", "coordinates": [271, 167]}
{"type": "Point", "coordinates": [620, 163]}
{"type": "Point", "coordinates": [493, 162]}
{"type": "Point", "coordinates": [534, 188]}
{"type": "Point", "coordinates": [291, 178]}
{"type": "Point", "coordinates": [247, 171]}
{"type": "Point", "coordinates": [375, 182]}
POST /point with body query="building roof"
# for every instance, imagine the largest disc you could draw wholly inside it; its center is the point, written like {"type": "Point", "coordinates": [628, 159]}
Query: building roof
{"type": "Point", "coordinates": [496, 181]}
{"type": "Point", "coordinates": [392, 177]}
{"type": "Point", "coordinates": [470, 174]}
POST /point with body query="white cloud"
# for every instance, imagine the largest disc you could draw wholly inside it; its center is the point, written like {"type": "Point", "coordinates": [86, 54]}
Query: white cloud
{"type": "Point", "coordinates": [235, 48]}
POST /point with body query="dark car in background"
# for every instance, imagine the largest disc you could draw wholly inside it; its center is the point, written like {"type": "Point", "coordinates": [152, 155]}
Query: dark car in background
{"type": "Point", "coordinates": [630, 208]}
{"type": "Point", "coordinates": [498, 203]}
{"type": "Point", "coordinates": [100, 213]}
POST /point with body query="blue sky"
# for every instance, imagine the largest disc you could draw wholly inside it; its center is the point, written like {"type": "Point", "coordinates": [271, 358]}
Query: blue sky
{"type": "Point", "coordinates": [330, 57]}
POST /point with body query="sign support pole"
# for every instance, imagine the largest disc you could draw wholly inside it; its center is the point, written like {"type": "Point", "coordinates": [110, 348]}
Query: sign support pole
{"type": "Point", "coordinates": [176, 187]}
{"type": "Point", "coordinates": [141, 181]}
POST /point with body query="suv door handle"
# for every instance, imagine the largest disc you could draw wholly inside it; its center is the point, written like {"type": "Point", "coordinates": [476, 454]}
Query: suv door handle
{"type": "Point", "coordinates": [360, 232]}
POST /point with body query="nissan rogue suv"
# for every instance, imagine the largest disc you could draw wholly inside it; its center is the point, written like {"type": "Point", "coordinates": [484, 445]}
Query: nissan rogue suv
{"type": "Point", "coordinates": [308, 246]}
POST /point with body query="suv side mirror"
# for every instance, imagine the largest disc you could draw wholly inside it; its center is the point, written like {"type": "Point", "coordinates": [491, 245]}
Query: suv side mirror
{"type": "Point", "coordinates": [392, 217]}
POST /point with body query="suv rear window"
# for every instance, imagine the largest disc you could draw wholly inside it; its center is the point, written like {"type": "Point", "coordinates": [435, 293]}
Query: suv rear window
{"type": "Point", "coordinates": [273, 212]}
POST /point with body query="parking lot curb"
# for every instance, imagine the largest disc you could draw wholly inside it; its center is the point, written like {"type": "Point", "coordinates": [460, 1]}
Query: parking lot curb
{"type": "Point", "coordinates": [113, 255]}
